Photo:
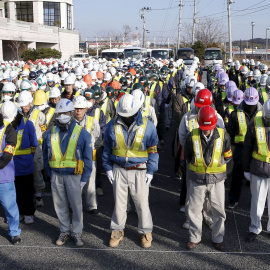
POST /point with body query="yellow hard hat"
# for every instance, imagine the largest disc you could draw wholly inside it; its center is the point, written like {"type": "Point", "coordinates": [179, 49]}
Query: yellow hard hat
{"type": "Point", "coordinates": [40, 97]}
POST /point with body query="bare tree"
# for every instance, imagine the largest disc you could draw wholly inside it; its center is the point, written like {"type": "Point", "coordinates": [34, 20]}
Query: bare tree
{"type": "Point", "coordinates": [17, 46]}
{"type": "Point", "coordinates": [126, 31]}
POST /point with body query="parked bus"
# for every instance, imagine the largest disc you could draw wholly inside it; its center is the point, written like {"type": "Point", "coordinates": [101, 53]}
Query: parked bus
{"type": "Point", "coordinates": [135, 52]}
{"type": "Point", "coordinates": [163, 53]}
{"type": "Point", "coordinates": [79, 56]}
{"type": "Point", "coordinates": [211, 54]}
{"type": "Point", "coordinates": [110, 54]}
{"type": "Point", "coordinates": [187, 54]}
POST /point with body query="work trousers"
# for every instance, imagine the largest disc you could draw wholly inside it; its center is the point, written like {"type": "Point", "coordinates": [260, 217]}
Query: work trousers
{"type": "Point", "coordinates": [8, 201]}
{"type": "Point", "coordinates": [90, 189]}
{"type": "Point", "coordinates": [237, 182]}
{"type": "Point", "coordinates": [39, 183]}
{"type": "Point", "coordinates": [25, 194]}
{"type": "Point", "coordinates": [216, 195]}
{"type": "Point", "coordinates": [161, 126]}
{"type": "Point", "coordinates": [133, 181]}
{"type": "Point", "coordinates": [99, 167]}
{"type": "Point", "coordinates": [66, 192]}
{"type": "Point", "coordinates": [260, 190]}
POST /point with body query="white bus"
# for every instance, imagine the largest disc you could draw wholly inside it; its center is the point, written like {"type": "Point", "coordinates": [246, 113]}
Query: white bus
{"type": "Point", "coordinates": [110, 54]}
{"type": "Point", "coordinates": [211, 54]}
{"type": "Point", "coordinates": [162, 53]}
{"type": "Point", "coordinates": [79, 56]}
{"type": "Point", "coordinates": [135, 52]}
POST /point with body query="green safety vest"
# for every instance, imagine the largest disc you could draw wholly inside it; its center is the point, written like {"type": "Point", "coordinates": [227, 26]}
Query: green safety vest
{"type": "Point", "coordinates": [263, 153]}
{"type": "Point", "coordinates": [69, 159]}
{"type": "Point", "coordinates": [199, 165]}
{"type": "Point", "coordinates": [134, 151]}
{"type": "Point", "coordinates": [242, 127]}
{"type": "Point", "coordinates": [264, 94]}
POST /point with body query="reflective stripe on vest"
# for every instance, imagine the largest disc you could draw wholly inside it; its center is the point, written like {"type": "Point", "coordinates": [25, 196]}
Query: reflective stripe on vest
{"type": "Point", "coordinates": [48, 95]}
{"type": "Point", "coordinates": [147, 107]}
{"type": "Point", "coordinates": [97, 114]}
{"type": "Point", "coordinates": [115, 103]}
{"type": "Point", "coordinates": [264, 95]}
{"type": "Point", "coordinates": [152, 90]}
{"type": "Point", "coordinates": [34, 117]}
{"type": "Point", "coordinates": [69, 159]}
{"type": "Point", "coordinates": [104, 106]}
{"type": "Point", "coordinates": [240, 80]}
{"type": "Point", "coordinates": [192, 123]}
{"type": "Point", "coordinates": [89, 124]}
{"type": "Point", "coordinates": [134, 151]}
{"type": "Point", "coordinates": [2, 133]}
{"type": "Point", "coordinates": [186, 101]}
{"type": "Point", "coordinates": [18, 150]}
{"type": "Point", "coordinates": [242, 127]}
{"type": "Point", "coordinates": [263, 153]}
{"type": "Point", "coordinates": [223, 94]}
{"type": "Point", "coordinates": [49, 115]}
{"type": "Point", "coordinates": [215, 165]}
{"type": "Point", "coordinates": [161, 85]}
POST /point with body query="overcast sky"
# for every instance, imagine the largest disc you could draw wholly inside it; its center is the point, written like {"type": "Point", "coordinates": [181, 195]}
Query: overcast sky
{"type": "Point", "coordinates": [95, 18]}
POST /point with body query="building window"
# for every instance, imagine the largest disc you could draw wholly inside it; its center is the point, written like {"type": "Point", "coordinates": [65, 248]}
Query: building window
{"type": "Point", "coordinates": [24, 11]}
{"type": "Point", "coordinates": [51, 12]}
{"type": "Point", "coordinates": [6, 9]}
{"type": "Point", "coordinates": [69, 18]}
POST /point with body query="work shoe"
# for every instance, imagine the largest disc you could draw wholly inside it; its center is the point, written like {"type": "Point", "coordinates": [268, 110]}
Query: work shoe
{"type": "Point", "coordinates": [28, 219]}
{"type": "Point", "coordinates": [182, 209]}
{"type": "Point", "coordinates": [93, 212]}
{"type": "Point", "coordinates": [186, 225]}
{"type": "Point", "coordinates": [192, 245]}
{"type": "Point", "coordinates": [146, 240]}
{"type": "Point", "coordinates": [63, 237]}
{"type": "Point", "coordinates": [99, 192]}
{"type": "Point", "coordinates": [232, 205]}
{"type": "Point", "coordinates": [116, 238]}
{"type": "Point", "coordinates": [39, 202]}
{"type": "Point", "coordinates": [78, 240]}
{"type": "Point", "coordinates": [251, 237]}
{"type": "Point", "coordinates": [15, 240]}
{"type": "Point", "coordinates": [21, 217]}
{"type": "Point", "coordinates": [219, 246]}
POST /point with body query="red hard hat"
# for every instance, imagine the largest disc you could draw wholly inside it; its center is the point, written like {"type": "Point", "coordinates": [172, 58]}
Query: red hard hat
{"type": "Point", "coordinates": [207, 118]}
{"type": "Point", "coordinates": [203, 98]}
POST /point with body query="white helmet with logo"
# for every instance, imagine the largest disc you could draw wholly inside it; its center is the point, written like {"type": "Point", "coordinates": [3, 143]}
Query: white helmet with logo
{"type": "Point", "coordinates": [64, 105]}
{"type": "Point", "coordinates": [24, 99]}
{"type": "Point", "coordinates": [80, 102]}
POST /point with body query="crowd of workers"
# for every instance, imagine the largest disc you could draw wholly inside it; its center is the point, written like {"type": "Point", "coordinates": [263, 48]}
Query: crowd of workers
{"type": "Point", "coordinates": [64, 122]}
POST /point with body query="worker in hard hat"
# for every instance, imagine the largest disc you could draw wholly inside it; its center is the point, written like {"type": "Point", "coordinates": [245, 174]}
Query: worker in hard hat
{"type": "Point", "coordinates": [54, 97]}
{"type": "Point", "coordinates": [130, 166]}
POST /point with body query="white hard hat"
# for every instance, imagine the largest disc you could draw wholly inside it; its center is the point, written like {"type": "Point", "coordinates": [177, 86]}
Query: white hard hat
{"type": "Point", "coordinates": [13, 74]}
{"type": "Point", "coordinates": [69, 80]}
{"type": "Point", "coordinates": [78, 71]}
{"type": "Point", "coordinates": [93, 75]}
{"type": "Point", "coordinates": [9, 111]}
{"type": "Point", "coordinates": [25, 73]}
{"type": "Point", "coordinates": [107, 76]}
{"type": "Point", "coordinates": [80, 102]}
{"type": "Point", "coordinates": [24, 99]}
{"type": "Point", "coordinates": [25, 85]}
{"type": "Point", "coordinates": [64, 75]}
{"type": "Point", "coordinates": [139, 96]}
{"type": "Point", "coordinates": [127, 106]}
{"type": "Point", "coordinates": [9, 87]}
{"type": "Point", "coordinates": [266, 110]}
{"type": "Point", "coordinates": [64, 105]}
{"type": "Point", "coordinates": [268, 82]}
{"type": "Point", "coordinates": [34, 86]}
{"type": "Point", "coordinates": [252, 62]}
{"type": "Point", "coordinates": [84, 85]}
{"type": "Point", "coordinates": [197, 87]}
{"type": "Point", "coordinates": [263, 79]}
{"type": "Point", "coordinates": [54, 92]}
{"type": "Point", "coordinates": [112, 70]}
{"type": "Point", "coordinates": [244, 70]}
{"type": "Point", "coordinates": [50, 77]}
{"type": "Point", "coordinates": [191, 81]}
{"type": "Point", "coordinates": [41, 81]}
{"type": "Point", "coordinates": [78, 86]}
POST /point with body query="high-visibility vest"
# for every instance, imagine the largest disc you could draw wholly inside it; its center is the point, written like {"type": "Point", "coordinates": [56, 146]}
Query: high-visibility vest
{"type": "Point", "coordinates": [230, 109]}
{"type": "Point", "coordinates": [199, 165]}
{"type": "Point", "coordinates": [147, 107]}
{"type": "Point", "coordinates": [240, 80]}
{"type": "Point", "coordinates": [264, 94]}
{"type": "Point", "coordinates": [104, 109]}
{"type": "Point", "coordinates": [134, 151]}
{"type": "Point", "coordinates": [18, 150]}
{"type": "Point", "coordinates": [89, 128]}
{"type": "Point", "coordinates": [34, 117]}
{"type": "Point", "coordinates": [263, 153]}
{"type": "Point", "coordinates": [2, 133]}
{"type": "Point", "coordinates": [49, 115]}
{"type": "Point", "coordinates": [186, 101]}
{"type": "Point", "coordinates": [192, 123]}
{"type": "Point", "coordinates": [242, 127]}
{"type": "Point", "coordinates": [223, 94]}
{"type": "Point", "coordinates": [97, 114]}
{"type": "Point", "coordinates": [152, 90]}
{"type": "Point", "coordinates": [69, 159]}
{"type": "Point", "coordinates": [161, 85]}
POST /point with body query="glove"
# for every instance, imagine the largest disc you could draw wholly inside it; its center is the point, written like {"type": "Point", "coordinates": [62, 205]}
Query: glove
{"type": "Point", "coordinates": [247, 175]}
{"type": "Point", "coordinates": [148, 178]}
{"type": "Point", "coordinates": [82, 184]}
{"type": "Point", "coordinates": [110, 176]}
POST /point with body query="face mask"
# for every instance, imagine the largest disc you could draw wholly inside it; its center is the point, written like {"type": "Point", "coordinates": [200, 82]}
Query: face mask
{"type": "Point", "coordinates": [79, 77]}
{"type": "Point", "coordinates": [90, 104]}
{"type": "Point", "coordinates": [137, 75]}
{"type": "Point", "coordinates": [41, 107]}
{"type": "Point", "coordinates": [64, 119]}
{"type": "Point", "coordinates": [99, 81]}
{"type": "Point", "coordinates": [93, 83]}
{"type": "Point", "coordinates": [7, 98]}
{"type": "Point", "coordinates": [129, 81]}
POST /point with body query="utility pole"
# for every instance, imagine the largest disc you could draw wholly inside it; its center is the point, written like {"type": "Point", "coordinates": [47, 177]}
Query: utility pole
{"type": "Point", "coordinates": [97, 45]}
{"type": "Point", "coordinates": [154, 42]}
{"type": "Point", "coordinates": [168, 43]}
{"type": "Point", "coordinates": [230, 28]}
{"type": "Point", "coordinates": [240, 48]}
{"type": "Point", "coordinates": [123, 41]}
{"type": "Point", "coordinates": [252, 26]}
{"type": "Point", "coordinates": [110, 42]}
{"type": "Point", "coordinates": [266, 44]}
{"type": "Point", "coordinates": [143, 17]}
{"type": "Point", "coordinates": [194, 22]}
{"type": "Point", "coordinates": [179, 25]}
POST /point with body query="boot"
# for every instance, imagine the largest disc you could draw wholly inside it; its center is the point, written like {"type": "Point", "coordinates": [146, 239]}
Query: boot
{"type": "Point", "coordinates": [116, 238]}
{"type": "Point", "coordinates": [147, 240]}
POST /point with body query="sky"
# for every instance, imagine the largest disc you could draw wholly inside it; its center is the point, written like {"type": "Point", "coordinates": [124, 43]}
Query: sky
{"type": "Point", "coordinates": [100, 18]}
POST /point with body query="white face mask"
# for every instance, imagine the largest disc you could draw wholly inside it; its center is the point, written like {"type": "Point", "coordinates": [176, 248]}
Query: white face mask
{"type": "Point", "coordinates": [41, 107]}
{"type": "Point", "coordinates": [7, 98]}
{"type": "Point", "coordinates": [90, 104]}
{"type": "Point", "coordinates": [129, 81]}
{"type": "Point", "coordinates": [93, 83]}
{"type": "Point", "coordinates": [99, 81]}
{"type": "Point", "coordinates": [137, 75]}
{"type": "Point", "coordinates": [64, 119]}
{"type": "Point", "coordinates": [79, 77]}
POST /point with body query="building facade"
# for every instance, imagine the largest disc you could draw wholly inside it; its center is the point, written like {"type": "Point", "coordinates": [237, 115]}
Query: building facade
{"type": "Point", "coordinates": [37, 24]}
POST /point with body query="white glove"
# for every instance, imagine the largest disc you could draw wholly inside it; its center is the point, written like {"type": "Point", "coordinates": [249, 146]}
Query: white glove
{"type": "Point", "coordinates": [148, 178]}
{"type": "Point", "coordinates": [247, 175]}
{"type": "Point", "coordinates": [110, 176]}
{"type": "Point", "coordinates": [82, 184]}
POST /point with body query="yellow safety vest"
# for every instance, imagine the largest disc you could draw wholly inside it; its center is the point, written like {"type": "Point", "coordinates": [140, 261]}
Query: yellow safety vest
{"type": "Point", "coordinates": [223, 94]}
{"type": "Point", "coordinates": [161, 85]}
{"type": "Point", "coordinates": [240, 80]}
{"type": "Point", "coordinates": [48, 94]}
{"type": "Point", "coordinates": [69, 159]}
{"type": "Point", "coordinates": [230, 109]}
{"type": "Point", "coordinates": [242, 127]}
{"type": "Point", "coordinates": [264, 95]}
{"type": "Point", "coordinates": [134, 151]}
{"type": "Point", "coordinates": [34, 117]}
{"type": "Point", "coordinates": [152, 90]}
{"type": "Point", "coordinates": [97, 114]}
{"type": "Point", "coordinates": [2, 133]}
{"type": "Point", "coordinates": [199, 165]}
{"type": "Point", "coordinates": [49, 115]}
{"type": "Point", "coordinates": [89, 128]}
{"type": "Point", "coordinates": [147, 106]}
{"type": "Point", "coordinates": [186, 101]}
{"type": "Point", "coordinates": [104, 109]}
{"type": "Point", "coordinates": [18, 150]}
{"type": "Point", "coordinates": [263, 153]}
{"type": "Point", "coordinates": [192, 123]}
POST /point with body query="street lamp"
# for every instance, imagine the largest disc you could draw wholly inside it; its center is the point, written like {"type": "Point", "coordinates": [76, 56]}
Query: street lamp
{"type": "Point", "coordinates": [252, 25]}
{"type": "Point", "coordinates": [266, 45]}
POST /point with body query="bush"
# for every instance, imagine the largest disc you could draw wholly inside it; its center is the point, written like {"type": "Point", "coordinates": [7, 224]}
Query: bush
{"type": "Point", "coordinates": [32, 54]}
{"type": "Point", "coordinates": [199, 49]}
